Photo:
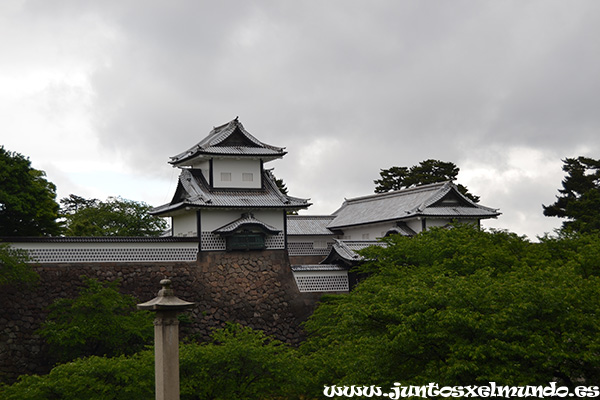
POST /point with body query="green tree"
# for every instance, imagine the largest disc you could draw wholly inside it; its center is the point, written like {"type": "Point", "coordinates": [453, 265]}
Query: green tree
{"type": "Point", "coordinates": [579, 199]}
{"type": "Point", "coordinates": [581, 250]}
{"type": "Point", "coordinates": [27, 200]}
{"type": "Point", "coordinates": [237, 363]}
{"type": "Point", "coordinates": [113, 217]}
{"type": "Point", "coordinates": [91, 378]}
{"type": "Point", "coordinates": [241, 363]}
{"type": "Point", "coordinates": [281, 186]}
{"type": "Point", "coordinates": [100, 321]}
{"type": "Point", "coordinates": [462, 307]}
{"type": "Point", "coordinates": [14, 267]}
{"type": "Point", "coordinates": [426, 172]}
{"type": "Point", "coordinates": [283, 189]}
{"type": "Point", "coordinates": [73, 204]}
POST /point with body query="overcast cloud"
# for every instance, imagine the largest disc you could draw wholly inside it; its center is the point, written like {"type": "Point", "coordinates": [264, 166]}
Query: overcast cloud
{"type": "Point", "coordinates": [100, 94]}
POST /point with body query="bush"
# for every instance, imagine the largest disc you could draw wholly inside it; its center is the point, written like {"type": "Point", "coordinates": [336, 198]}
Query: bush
{"type": "Point", "coordinates": [241, 363]}
{"type": "Point", "coordinates": [100, 321]}
{"type": "Point", "coordinates": [92, 378]}
{"type": "Point", "coordinates": [238, 363]}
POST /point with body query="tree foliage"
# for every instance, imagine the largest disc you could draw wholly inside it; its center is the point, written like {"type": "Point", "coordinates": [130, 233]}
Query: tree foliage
{"type": "Point", "coordinates": [113, 217]}
{"type": "Point", "coordinates": [463, 307]}
{"type": "Point", "coordinates": [454, 306]}
{"type": "Point", "coordinates": [14, 267]}
{"type": "Point", "coordinates": [100, 321]}
{"type": "Point", "coordinates": [241, 363]}
{"type": "Point", "coordinates": [238, 363]}
{"type": "Point", "coordinates": [92, 378]}
{"type": "Point", "coordinates": [426, 172]}
{"type": "Point", "coordinates": [281, 186]}
{"type": "Point", "coordinates": [579, 199]}
{"type": "Point", "coordinates": [27, 200]}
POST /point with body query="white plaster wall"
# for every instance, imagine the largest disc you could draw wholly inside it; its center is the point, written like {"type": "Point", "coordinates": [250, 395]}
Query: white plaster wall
{"type": "Point", "coordinates": [368, 232]}
{"type": "Point", "coordinates": [321, 281]}
{"type": "Point", "coordinates": [414, 224]}
{"type": "Point", "coordinates": [103, 245]}
{"type": "Point", "coordinates": [376, 231]}
{"type": "Point", "coordinates": [311, 239]}
{"type": "Point", "coordinates": [184, 224]}
{"type": "Point", "coordinates": [214, 219]}
{"type": "Point", "coordinates": [272, 217]}
{"type": "Point", "coordinates": [204, 166]}
{"type": "Point", "coordinates": [438, 222]}
{"type": "Point", "coordinates": [306, 245]}
{"type": "Point", "coordinates": [236, 168]}
{"type": "Point", "coordinates": [432, 223]}
{"type": "Point", "coordinates": [68, 252]}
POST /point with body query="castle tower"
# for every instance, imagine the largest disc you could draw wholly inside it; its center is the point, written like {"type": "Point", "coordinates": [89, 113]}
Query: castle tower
{"type": "Point", "coordinates": [226, 197]}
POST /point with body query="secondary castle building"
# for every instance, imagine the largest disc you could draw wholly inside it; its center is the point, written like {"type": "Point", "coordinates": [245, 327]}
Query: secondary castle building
{"type": "Point", "coordinates": [324, 248]}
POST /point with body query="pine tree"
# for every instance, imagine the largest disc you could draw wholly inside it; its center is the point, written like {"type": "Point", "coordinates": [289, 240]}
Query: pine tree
{"type": "Point", "coordinates": [579, 199]}
{"type": "Point", "coordinates": [424, 173]}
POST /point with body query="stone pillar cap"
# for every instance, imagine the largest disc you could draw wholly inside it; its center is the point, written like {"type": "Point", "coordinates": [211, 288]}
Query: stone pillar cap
{"type": "Point", "coordinates": [165, 300]}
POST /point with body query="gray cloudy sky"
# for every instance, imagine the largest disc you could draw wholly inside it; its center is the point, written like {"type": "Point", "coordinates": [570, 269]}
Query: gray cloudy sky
{"type": "Point", "coordinates": [99, 94]}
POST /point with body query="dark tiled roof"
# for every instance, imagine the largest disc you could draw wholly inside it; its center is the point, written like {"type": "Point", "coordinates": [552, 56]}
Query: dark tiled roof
{"type": "Point", "coordinates": [457, 212]}
{"type": "Point", "coordinates": [314, 225]}
{"type": "Point", "coordinates": [194, 191]}
{"type": "Point", "coordinates": [403, 229]}
{"type": "Point", "coordinates": [438, 199]}
{"type": "Point", "coordinates": [229, 139]}
{"type": "Point", "coordinates": [245, 220]}
{"type": "Point", "coordinates": [346, 250]}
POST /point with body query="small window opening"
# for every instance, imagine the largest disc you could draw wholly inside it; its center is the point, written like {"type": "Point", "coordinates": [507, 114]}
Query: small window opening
{"type": "Point", "coordinates": [225, 176]}
{"type": "Point", "coordinates": [247, 177]}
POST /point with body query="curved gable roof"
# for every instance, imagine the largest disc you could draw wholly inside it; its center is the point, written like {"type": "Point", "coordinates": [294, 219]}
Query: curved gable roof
{"type": "Point", "coordinates": [193, 191]}
{"type": "Point", "coordinates": [247, 220]}
{"type": "Point", "coordinates": [438, 199]}
{"type": "Point", "coordinates": [345, 251]}
{"type": "Point", "coordinates": [228, 139]}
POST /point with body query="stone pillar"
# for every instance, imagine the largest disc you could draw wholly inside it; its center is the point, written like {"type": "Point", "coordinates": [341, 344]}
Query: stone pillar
{"type": "Point", "coordinates": [166, 340]}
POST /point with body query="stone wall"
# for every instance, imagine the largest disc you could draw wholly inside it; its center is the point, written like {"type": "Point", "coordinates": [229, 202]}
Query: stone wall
{"type": "Point", "coordinates": [256, 289]}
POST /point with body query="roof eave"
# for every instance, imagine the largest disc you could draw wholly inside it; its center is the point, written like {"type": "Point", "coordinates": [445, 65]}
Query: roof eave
{"type": "Point", "coordinates": [189, 160]}
{"type": "Point", "coordinates": [412, 216]}
{"type": "Point", "coordinates": [165, 210]}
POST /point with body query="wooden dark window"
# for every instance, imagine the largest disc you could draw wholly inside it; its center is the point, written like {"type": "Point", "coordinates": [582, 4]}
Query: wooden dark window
{"type": "Point", "coordinates": [246, 241]}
